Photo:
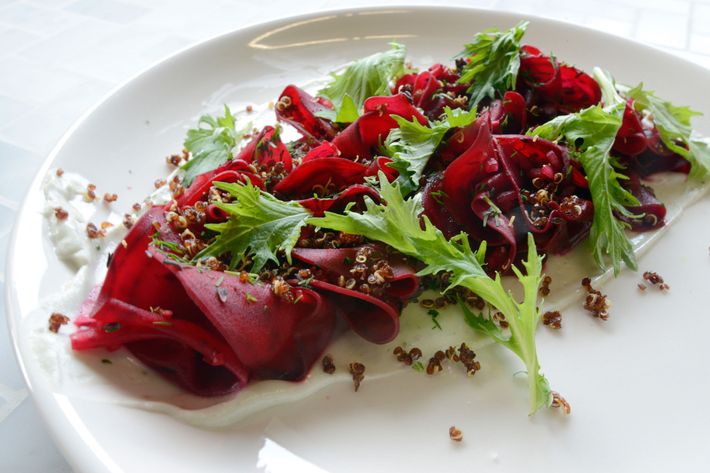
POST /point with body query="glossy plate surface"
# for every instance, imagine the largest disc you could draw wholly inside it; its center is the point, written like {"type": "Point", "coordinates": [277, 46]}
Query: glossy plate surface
{"type": "Point", "coordinates": [638, 384]}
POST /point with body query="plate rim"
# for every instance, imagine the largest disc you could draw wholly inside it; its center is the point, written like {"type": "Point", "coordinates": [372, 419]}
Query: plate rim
{"type": "Point", "coordinates": [91, 460]}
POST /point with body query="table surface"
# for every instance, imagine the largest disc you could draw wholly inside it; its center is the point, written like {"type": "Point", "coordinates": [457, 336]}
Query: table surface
{"type": "Point", "coordinates": [61, 56]}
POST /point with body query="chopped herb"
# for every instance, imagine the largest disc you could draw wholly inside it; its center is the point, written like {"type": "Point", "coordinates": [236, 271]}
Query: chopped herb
{"type": "Point", "coordinates": [163, 323]}
{"type": "Point", "coordinates": [298, 299]}
{"type": "Point", "coordinates": [165, 245]}
{"type": "Point", "coordinates": [112, 327]}
{"type": "Point", "coordinates": [433, 313]}
{"type": "Point", "coordinates": [250, 298]}
{"type": "Point", "coordinates": [106, 361]}
{"type": "Point", "coordinates": [171, 262]}
{"type": "Point", "coordinates": [305, 282]}
{"type": "Point", "coordinates": [439, 197]}
{"type": "Point", "coordinates": [222, 294]}
{"type": "Point", "coordinates": [492, 210]}
{"type": "Point", "coordinates": [418, 366]}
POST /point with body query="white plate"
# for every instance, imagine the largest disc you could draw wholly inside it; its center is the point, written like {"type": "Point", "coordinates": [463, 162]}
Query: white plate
{"type": "Point", "coordinates": [639, 384]}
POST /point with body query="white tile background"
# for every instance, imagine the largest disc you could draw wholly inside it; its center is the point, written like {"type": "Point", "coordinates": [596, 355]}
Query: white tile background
{"type": "Point", "coordinates": [59, 56]}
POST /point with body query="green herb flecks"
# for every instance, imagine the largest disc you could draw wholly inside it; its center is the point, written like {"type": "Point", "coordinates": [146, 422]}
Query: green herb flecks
{"type": "Point", "coordinates": [433, 313]}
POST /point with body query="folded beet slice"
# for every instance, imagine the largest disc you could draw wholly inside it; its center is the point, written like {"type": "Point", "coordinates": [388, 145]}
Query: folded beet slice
{"type": "Point", "coordinates": [183, 352]}
{"type": "Point", "coordinates": [210, 332]}
{"type": "Point", "coordinates": [381, 164]}
{"type": "Point", "coordinates": [362, 137]}
{"type": "Point", "coordinates": [375, 320]}
{"type": "Point", "coordinates": [551, 88]}
{"type": "Point", "coordinates": [353, 194]}
{"type": "Point", "coordinates": [234, 171]}
{"type": "Point", "coordinates": [374, 315]}
{"type": "Point", "coordinates": [630, 139]}
{"type": "Point", "coordinates": [300, 110]}
{"type": "Point", "coordinates": [266, 150]}
{"type": "Point", "coordinates": [323, 176]}
{"type": "Point", "coordinates": [470, 167]}
{"type": "Point", "coordinates": [508, 115]}
{"type": "Point", "coordinates": [651, 211]}
{"type": "Point", "coordinates": [324, 150]}
{"type": "Point", "coordinates": [274, 337]}
{"type": "Point", "coordinates": [139, 291]}
{"type": "Point", "coordinates": [434, 204]}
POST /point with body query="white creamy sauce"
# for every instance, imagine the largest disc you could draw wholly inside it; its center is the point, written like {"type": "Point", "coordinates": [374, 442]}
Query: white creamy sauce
{"type": "Point", "coordinates": [119, 379]}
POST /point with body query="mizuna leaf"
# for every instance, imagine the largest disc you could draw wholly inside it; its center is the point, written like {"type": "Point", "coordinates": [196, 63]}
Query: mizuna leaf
{"type": "Point", "coordinates": [412, 144]}
{"type": "Point", "coordinates": [398, 225]}
{"type": "Point", "coordinates": [494, 61]}
{"type": "Point", "coordinates": [259, 225]}
{"type": "Point", "coordinates": [590, 133]}
{"type": "Point", "coordinates": [211, 144]}
{"type": "Point", "coordinates": [363, 78]}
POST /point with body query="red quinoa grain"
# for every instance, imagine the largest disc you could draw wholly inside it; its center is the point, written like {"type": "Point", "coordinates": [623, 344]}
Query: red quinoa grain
{"type": "Point", "coordinates": [56, 320]}
{"type": "Point", "coordinates": [60, 213]}
{"type": "Point", "coordinates": [455, 434]}
{"type": "Point", "coordinates": [357, 370]}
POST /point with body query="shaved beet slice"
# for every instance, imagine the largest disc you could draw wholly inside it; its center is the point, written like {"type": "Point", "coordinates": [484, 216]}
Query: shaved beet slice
{"type": "Point", "coordinates": [426, 92]}
{"type": "Point", "coordinates": [461, 139]}
{"type": "Point", "coordinates": [487, 191]}
{"type": "Point", "coordinates": [339, 261]}
{"type": "Point", "coordinates": [373, 317]}
{"type": "Point", "coordinates": [470, 167]}
{"type": "Point", "coordinates": [322, 175]}
{"type": "Point", "coordinates": [434, 203]}
{"type": "Point", "coordinates": [508, 115]}
{"type": "Point", "coordinates": [375, 320]}
{"type": "Point", "coordinates": [639, 145]}
{"type": "Point", "coordinates": [630, 139]}
{"type": "Point", "coordinates": [353, 194]}
{"type": "Point", "coordinates": [553, 89]}
{"type": "Point", "coordinates": [579, 90]}
{"type": "Point", "coordinates": [209, 332]}
{"type": "Point", "coordinates": [233, 171]}
{"type": "Point", "coordinates": [273, 337]}
{"type": "Point", "coordinates": [184, 352]}
{"type": "Point", "coordinates": [299, 109]}
{"type": "Point", "coordinates": [432, 90]}
{"type": "Point", "coordinates": [324, 150]}
{"type": "Point", "coordinates": [652, 213]}
{"type": "Point", "coordinates": [134, 284]}
{"type": "Point", "coordinates": [381, 163]}
{"type": "Point", "coordinates": [266, 149]}
{"type": "Point", "coordinates": [362, 136]}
